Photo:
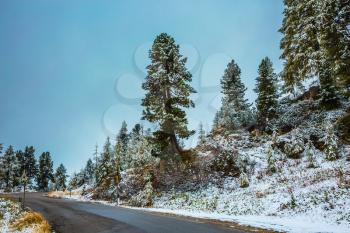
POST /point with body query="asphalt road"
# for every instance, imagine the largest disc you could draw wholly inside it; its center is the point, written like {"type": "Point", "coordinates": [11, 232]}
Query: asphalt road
{"type": "Point", "coordinates": [68, 216]}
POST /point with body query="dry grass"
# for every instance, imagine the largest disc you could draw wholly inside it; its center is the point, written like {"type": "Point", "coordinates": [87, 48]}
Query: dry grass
{"type": "Point", "coordinates": [34, 220]}
{"type": "Point", "coordinates": [61, 194]}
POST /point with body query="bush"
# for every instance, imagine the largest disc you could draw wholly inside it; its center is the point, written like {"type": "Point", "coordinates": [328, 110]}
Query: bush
{"type": "Point", "coordinates": [226, 163]}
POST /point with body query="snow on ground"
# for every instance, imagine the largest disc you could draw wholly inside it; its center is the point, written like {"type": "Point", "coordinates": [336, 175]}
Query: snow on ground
{"type": "Point", "coordinates": [9, 211]}
{"type": "Point", "coordinates": [294, 199]}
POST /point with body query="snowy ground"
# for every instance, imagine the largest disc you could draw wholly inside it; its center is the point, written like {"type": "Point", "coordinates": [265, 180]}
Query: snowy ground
{"type": "Point", "coordinates": [294, 199]}
{"type": "Point", "coordinates": [9, 211]}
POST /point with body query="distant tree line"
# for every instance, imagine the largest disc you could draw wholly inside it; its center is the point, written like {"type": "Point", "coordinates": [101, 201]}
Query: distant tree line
{"type": "Point", "coordinates": [15, 166]}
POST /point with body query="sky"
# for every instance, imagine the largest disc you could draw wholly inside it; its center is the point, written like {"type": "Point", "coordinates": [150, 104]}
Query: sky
{"type": "Point", "coordinates": [71, 71]}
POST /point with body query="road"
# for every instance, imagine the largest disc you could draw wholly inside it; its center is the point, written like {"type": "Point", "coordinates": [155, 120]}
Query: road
{"type": "Point", "coordinates": [69, 216]}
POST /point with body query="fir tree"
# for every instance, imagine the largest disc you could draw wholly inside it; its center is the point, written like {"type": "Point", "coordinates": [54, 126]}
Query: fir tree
{"type": "Point", "coordinates": [201, 134]}
{"type": "Point", "coordinates": [45, 173]}
{"type": "Point", "coordinates": [335, 38]}
{"type": "Point", "coordinates": [266, 88]}
{"type": "Point", "coordinates": [139, 150]}
{"type": "Point", "coordinates": [89, 171]}
{"type": "Point", "coordinates": [235, 108]}
{"type": "Point", "coordinates": [120, 152]}
{"type": "Point", "coordinates": [300, 44]}
{"type": "Point", "coordinates": [243, 180]}
{"type": "Point", "coordinates": [60, 178]}
{"type": "Point", "coordinates": [216, 121]}
{"type": "Point", "coordinates": [316, 43]}
{"type": "Point", "coordinates": [168, 90]}
{"type": "Point", "coordinates": [331, 145]}
{"type": "Point", "coordinates": [105, 166]}
{"type": "Point", "coordinates": [27, 163]}
{"type": "Point", "coordinates": [310, 154]}
{"type": "Point", "coordinates": [271, 160]}
{"type": "Point", "coordinates": [8, 167]}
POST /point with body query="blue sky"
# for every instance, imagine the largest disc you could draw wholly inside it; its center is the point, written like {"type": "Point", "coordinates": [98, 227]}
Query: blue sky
{"type": "Point", "coordinates": [70, 71]}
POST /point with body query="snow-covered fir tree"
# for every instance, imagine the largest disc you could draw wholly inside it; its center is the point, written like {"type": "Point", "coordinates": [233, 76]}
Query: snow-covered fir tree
{"type": "Point", "coordinates": [105, 165]}
{"type": "Point", "coordinates": [235, 111]}
{"type": "Point", "coordinates": [271, 160]}
{"type": "Point", "coordinates": [27, 163]}
{"type": "Point", "coordinates": [316, 43]}
{"type": "Point", "coordinates": [89, 171]}
{"type": "Point", "coordinates": [60, 178]}
{"type": "Point", "coordinates": [310, 154]}
{"type": "Point", "coordinates": [139, 148]}
{"type": "Point", "coordinates": [121, 158]}
{"type": "Point", "coordinates": [168, 90]}
{"type": "Point", "coordinates": [45, 172]}
{"type": "Point", "coordinates": [9, 168]}
{"type": "Point", "coordinates": [266, 88]}
{"type": "Point", "coordinates": [201, 134]}
{"type": "Point", "coordinates": [243, 180]}
{"type": "Point", "coordinates": [334, 19]}
{"type": "Point", "coordinates": [331, 145]}
{"type": "Point", "coordinates": [300, 45]}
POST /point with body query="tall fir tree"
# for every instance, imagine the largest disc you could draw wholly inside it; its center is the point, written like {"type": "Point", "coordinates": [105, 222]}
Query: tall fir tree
{"type": "Point", "coordinates": [9, 168]}
{"type": "Point", "coordinates": [121, 158]}
{"type": "Point", "coordinates": [316, 43]}
{"type": "Point", "coordinates": [60, 178]}
{"type": "Point", "coordinates": [27, 163]}
{"type": "Point", "coordinates": [266, 88]}
{"type": "Point", "coordinates": [45, 172]}
{"type": "Point", "coordinates": [105, 166]}
{"type": "Point", "coordinates": [300, 45]}
{"type": "Point", "coordinates": [89, 171]}
{"type": "Point", "coordinates": [334, 19]}
{"type": "Point", "coordinates": [167, 96]}
{"type": "Point", "coordinates": [235, 108]}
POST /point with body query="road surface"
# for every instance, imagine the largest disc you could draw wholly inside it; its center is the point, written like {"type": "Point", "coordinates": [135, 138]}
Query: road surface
{"type": "Point", "coordinates": [69, 216]}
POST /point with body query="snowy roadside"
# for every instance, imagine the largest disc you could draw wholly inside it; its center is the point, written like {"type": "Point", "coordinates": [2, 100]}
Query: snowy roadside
{"type": "Point", "coordinates": [14, 219]}
{"type": "Point", "coordinates": [283, 224]}
{"type": "Point", "coordinates": [297, 224]}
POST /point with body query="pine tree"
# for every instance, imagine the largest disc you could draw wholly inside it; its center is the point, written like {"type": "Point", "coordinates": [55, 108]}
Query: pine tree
{"type": "Point", "coordinates": [201, 134]}
{"type": "Point", "coordinates": [27, 163]}
{"type": "Point", "coordinates": [331, 145]}
{"type": "Point", "coordinates": [300, 44]}
{"type": "Point", "coordinates": [216, 121]}
{"type": "Point", "coordinates": [60, 178]}
{"type": "Point", "coordinates": [243, 180]}
{"type": "Point", "coordinates": [105, 166]}
{"type": "Point", "coordinates": [235, 108]}
{"type": "Point", "coordinates": [310, 154]}
{"type": "Point", "coordinates": [120, 152]}
{"type": "Point", "coordinates": [45, 173]}
{"type": "Point", "coordinates": [168, 90]}
{"type": "Point", "coordinates": [271, 160]}
{"type": "Point", "coordinates": [266, 88]}
{"type": "Point", "coordinates": [89, 171]}
{"type": "Point", "coordinates": [9, 169]}
{"type": "Point", "coordinates": [316, 42]}
{"type": "Point", "coordinates": [139, 150]}
{"type": "Point", "coordinates": [335, 38]}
